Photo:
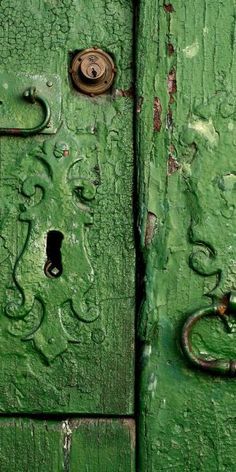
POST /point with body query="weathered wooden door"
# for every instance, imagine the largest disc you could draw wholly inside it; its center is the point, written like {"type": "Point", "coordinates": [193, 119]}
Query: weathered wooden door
{"type": "Point", "coordinates": [186, 130]}
{"type": "Point", "coordinates": [66, 239]}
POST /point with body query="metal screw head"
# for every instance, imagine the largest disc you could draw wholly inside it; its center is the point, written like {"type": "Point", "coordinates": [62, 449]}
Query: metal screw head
{"type": "Point", "coordinates": [92, 71]}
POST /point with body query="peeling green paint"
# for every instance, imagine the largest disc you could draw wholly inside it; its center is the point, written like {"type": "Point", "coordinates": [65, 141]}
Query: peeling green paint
{"type": "Point", "coordinates": [186, 58]}
{"type": "Point", "coordinates": [58, 351]}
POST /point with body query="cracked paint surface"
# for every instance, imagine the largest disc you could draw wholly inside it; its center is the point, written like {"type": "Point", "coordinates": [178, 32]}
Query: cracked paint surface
{"type": "Point", "coordinates": [187, 423]}
{"type": "Point", "coordinates": [39, 370]}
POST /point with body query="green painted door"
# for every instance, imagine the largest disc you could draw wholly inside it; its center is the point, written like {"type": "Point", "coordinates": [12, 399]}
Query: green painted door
{"type": "Point", "coordinates": [186, 149]}
{"type": "Point", "coordinates": [66, 240]}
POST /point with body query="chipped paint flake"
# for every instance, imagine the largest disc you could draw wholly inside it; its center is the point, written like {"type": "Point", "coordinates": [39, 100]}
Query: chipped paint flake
{"type": "Point", "coordinates": [171, 82]}
{"type": "Point", "coordinates": [67, 431]}
{"type": "Point", "coordinates": [206, 129]}
{"type": "Point", "coordinates": [139, 104]}
{"type": "Point", "coordinates": [147, 350]}
{"type": "Point", "coordinates": [157, 109]}
{"type": "Point", "coordinates": [152, 384]}
{"type": "Point", "coordinates": [168, 7]}
{"type": "Point", "coordinates": [191, 50]}
{"type": "Point", "coordinates": [150, 228]}
{"type": "Point", "coordinates": [172, 165]}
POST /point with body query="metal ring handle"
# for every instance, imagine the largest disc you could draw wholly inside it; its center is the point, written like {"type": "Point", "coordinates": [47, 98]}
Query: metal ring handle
{"type": "Point", "coordinates": [216, 366]}
{"type": "Point", "coordinates": [31, 96]}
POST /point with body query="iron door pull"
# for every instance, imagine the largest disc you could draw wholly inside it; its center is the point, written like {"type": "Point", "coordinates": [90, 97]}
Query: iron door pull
{"type": "Point", "coordinates": [221, 309]}
{"type": "Point", "coordinates": [31, 96]}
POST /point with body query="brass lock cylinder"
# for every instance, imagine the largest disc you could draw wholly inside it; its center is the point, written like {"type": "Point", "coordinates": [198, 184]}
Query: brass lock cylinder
{"type": "Point", "coordinates": [92, 71]}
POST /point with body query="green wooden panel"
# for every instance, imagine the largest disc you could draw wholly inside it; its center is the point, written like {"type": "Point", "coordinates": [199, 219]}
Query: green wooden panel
{"type": "Point", "coordinates": [67, 446]}
{"type": "Point", "coordinates": [66, 343]}
{"type": "Point", "coordinates": [186, 147]}
{"type": "Point", "coordinates": [30, 445]}
{"type": "Point", "coordinates": [103, 445]}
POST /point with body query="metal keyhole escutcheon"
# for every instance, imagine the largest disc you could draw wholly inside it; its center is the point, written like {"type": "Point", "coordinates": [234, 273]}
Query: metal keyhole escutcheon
{"type": "Point", "coordinates": [92, 71]}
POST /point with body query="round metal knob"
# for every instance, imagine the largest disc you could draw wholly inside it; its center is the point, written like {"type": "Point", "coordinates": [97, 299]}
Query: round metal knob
{"type": "Point", "coordinates": [92, 71]}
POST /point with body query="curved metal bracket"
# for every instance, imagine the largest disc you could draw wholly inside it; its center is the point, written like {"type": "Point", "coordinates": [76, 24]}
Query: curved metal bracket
{"type": "Point", "coordinates": [222, 310]}
{"type": "Point", "coordinates": [31, 96]}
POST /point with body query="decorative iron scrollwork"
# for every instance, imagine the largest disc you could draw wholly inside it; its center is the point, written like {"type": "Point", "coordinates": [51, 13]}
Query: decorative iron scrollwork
{"type": "Point", "coordinates": [38, 302]}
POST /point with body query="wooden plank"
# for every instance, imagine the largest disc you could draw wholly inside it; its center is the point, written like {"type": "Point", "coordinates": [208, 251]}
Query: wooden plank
{"type": "Point", "coordinates": [86, 445]}
{"type": "Point", "coordinates": [186, 70]}
{"type": "Point", "coordinates": [103, 445]}
{"type": "Point", "coordinates": [67, 344]}
{"type": "Point", "coordinates": [30, 445]}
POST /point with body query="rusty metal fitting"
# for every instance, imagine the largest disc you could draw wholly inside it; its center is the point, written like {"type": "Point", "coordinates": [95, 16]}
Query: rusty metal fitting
{"type": "Point", "coordinates": [223, 308]}
{"type": "Point", "coordinates": [92, 71]}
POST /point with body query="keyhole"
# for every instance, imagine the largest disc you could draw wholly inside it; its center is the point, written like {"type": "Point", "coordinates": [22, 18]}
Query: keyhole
{"type": "Point", "coordinates": [94, 72]}
{"type": "Point", "coordinates": [53, 265]}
